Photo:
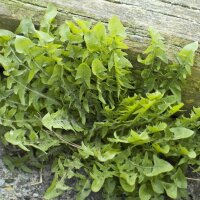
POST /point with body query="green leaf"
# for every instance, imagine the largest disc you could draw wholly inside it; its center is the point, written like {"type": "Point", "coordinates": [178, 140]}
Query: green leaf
{"type": "Point", "coordinates": [49, 16]}
{"type": "Point", "coordinates": [98, 181]}
{"type": "Point", "coordinates": [115, 27]}
{"type": "Point", "coordinates": [84, 189]}
{"type": "Point", "coordinates": [74, 29]}
{"type": "Point", "coordinates": [157, 186]}
{"type": "Point", "coordinates": [26, 26]}
{"type": "Point", "coordinates": [108, 155]}
{"type": "Point", "coordinates": [5, 36]}
{"type": "Point", "coordinates": [97, 184]}
{"type": "Point", "coordinates": [44, 37]}
{"type": "Point", "coordinates": [91, 41]}
{"type": "Point", "coordinates": [5, 62]}
{"type": "Point", "coordinates": [136, 138]}
{"type": "Point", "coordinates": [85, 25]}
{"type": "Point", "coordinates": [21, 93]}
{"type": "Point", "coordinates": [8, 162]}
{"type": "Point", "coordinates": [128, 181]}
{"type": "Point", "coordinates": [16, 137]}
{"type": "Point", "coordinates": [56, 120]}
{"type": "Point", "coordinates": [100, 32]}
{"type": "Point", "coordinates": [47, 121]}
{"type": "Point", "coordinates": [144, 192]}
{"type": "Point", "coordinates": [84, 73]}
{"type": "Point", "coordinates": [56, 188]}
{"type": "Point", "coordinates": [98, 69]}
{"type": "Point", "coordinates": [64, 32]}
{"type": "Point", "coordinates": [157, 128]}
{"type": "Point", "coordinates": [65, 91]}
{"type": "Point", "coordinates": [185, 151]}
{"type": "Point", "coordinates": [171, 189]}
{"type": "Point", "coordinates": [181, 133]}
{"type": "Point", "coordinates": [164, 149]}
{"type": "Point", "coordinates": [160, 166]}
{"type": "Point", "coordinates": [109, 186]}
{"type": "Point", "coordinates": [126, 187]}
{"type": "Point", "coordinates": [23, 44]}
{"type": "Point", "coordinates": [86, 151]}
{"type": "Point", "coordinates": [179, 179]}
{"type": "Point", "coordinates": [186, 56]}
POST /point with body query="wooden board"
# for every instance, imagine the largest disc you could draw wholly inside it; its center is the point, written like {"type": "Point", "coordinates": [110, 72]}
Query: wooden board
{"type": "Point", "coordinates": [177, 20]}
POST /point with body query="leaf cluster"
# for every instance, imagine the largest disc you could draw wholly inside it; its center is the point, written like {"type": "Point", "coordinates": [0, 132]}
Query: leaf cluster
{"type": "Point", "coordinates": [69, 94]}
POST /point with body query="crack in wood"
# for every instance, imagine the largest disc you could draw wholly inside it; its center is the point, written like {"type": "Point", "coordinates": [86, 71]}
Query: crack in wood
{"type": "Point", "coordinates": [119, 2]}
{"type": "Point", "coordinates": [154, 11]}
{"type": "Point", "coordinates": [28, 3]}
{"type": "Point", "coordinates": [170, 15]}
{"type": "Point", "coordinates": [181, 5]}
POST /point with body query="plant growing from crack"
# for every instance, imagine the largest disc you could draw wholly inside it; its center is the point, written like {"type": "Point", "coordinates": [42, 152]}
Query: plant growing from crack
{"type": "Point", "coordinates": [69, 94]}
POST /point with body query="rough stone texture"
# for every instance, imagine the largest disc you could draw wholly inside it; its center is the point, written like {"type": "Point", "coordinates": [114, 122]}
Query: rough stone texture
{"type": "Point", "coordinates": [177, 21]}
{"type": "Point", "coordinates": [17, 185]}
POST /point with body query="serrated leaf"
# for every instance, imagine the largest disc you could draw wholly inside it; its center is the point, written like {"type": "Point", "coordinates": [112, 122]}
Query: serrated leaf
{"type": "Point", "coordinates": [49, 16]}
{"type": "Point", "coordinates": [126, 187]}
{"type": "Point", "coordinates": [55, 120]}
{"type": "Point", "coordinates": [98, 69]}
{"type": "Point", "coordinates": [86, 151]}
{"type": "Point", "coordinates": [179, 179]}
{"type": "Point", "coordinates": [100, 32]}
{"type": "Point", "coordinates": [108, 155]}
{"type": "Point", "coordinates": [110, 185]}
{"type": "Point", "coordinates": [170, 189]}
{"type": "Point", "coordinates": [97, 184]}
{"type": "Point", "coordinates": [8, 162]}
{"type": "Point", "coordinates": [5, 36]}
{"type": "Point", "coordinates": [44, 37]}
{"type": "Point", "coordinates": [157, 128]}
{"type": "Point", "coordinates": [136, 138]}
{"type": "Point", "coordinates": [47, 121]}
{"type": "Point", "coordinates": [115, 27]}
{"type": "Point", "coordinates": [21, 93]}
{"type": "Point", "coordinates": [160, 166]}
{"type": "Point", "coordinates": [56, 188]}
{"type": "Point", "coordinates": [157, 186]}
{"type": "Point", "coordinates": [84, 189]}
{"type": "Point", "coordinates": [185, 151]}
{"type": "Point", "coordinates": [128, 181]}
{"type": "Point", "coordinates": [164, 149]}
{"type": "Point", "coordinates": [181, 133]}
{"type": "Point", "coordinates": [186, 56]}
{"type": "Point", "coordinates": [91, 41]}
{"type": "Point", "coordinates": [26, 26]}
{"type": "Point", "coordinates": [64, 32]}
{"type": "Point", "coordinates": [5, 62]}
{"type": "Point", "coordinates": [84, 73]}
{"type": "Point", "coordinates": [144, 192]}
{"type": "Point", "coordinates": [85, 25]}
{"type": "Point", "coordinates": [16, 137]}
{"type": "Point", "coordinates": [23, 44]}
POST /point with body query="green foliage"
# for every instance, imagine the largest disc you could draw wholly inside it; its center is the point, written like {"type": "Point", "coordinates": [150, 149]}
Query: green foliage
{"type": "Point", "coordinates": [69, 94]}
{"type": "Point", "coordinates": [161, 74]}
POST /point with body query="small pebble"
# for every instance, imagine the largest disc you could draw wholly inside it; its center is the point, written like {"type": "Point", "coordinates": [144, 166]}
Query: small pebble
{"type": "Point", "coordinates": [9, 180]}
{"type": "Point", "coordinates": [35, 195]}
{"type": "Point", "coordinates": [18, 195]}
{"type": "Point", "coordinates": [2, 182]}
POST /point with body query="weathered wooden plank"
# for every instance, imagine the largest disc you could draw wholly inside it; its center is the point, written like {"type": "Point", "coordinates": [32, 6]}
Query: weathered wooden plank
{"type": "Point", "coordinates": [177, 20]}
